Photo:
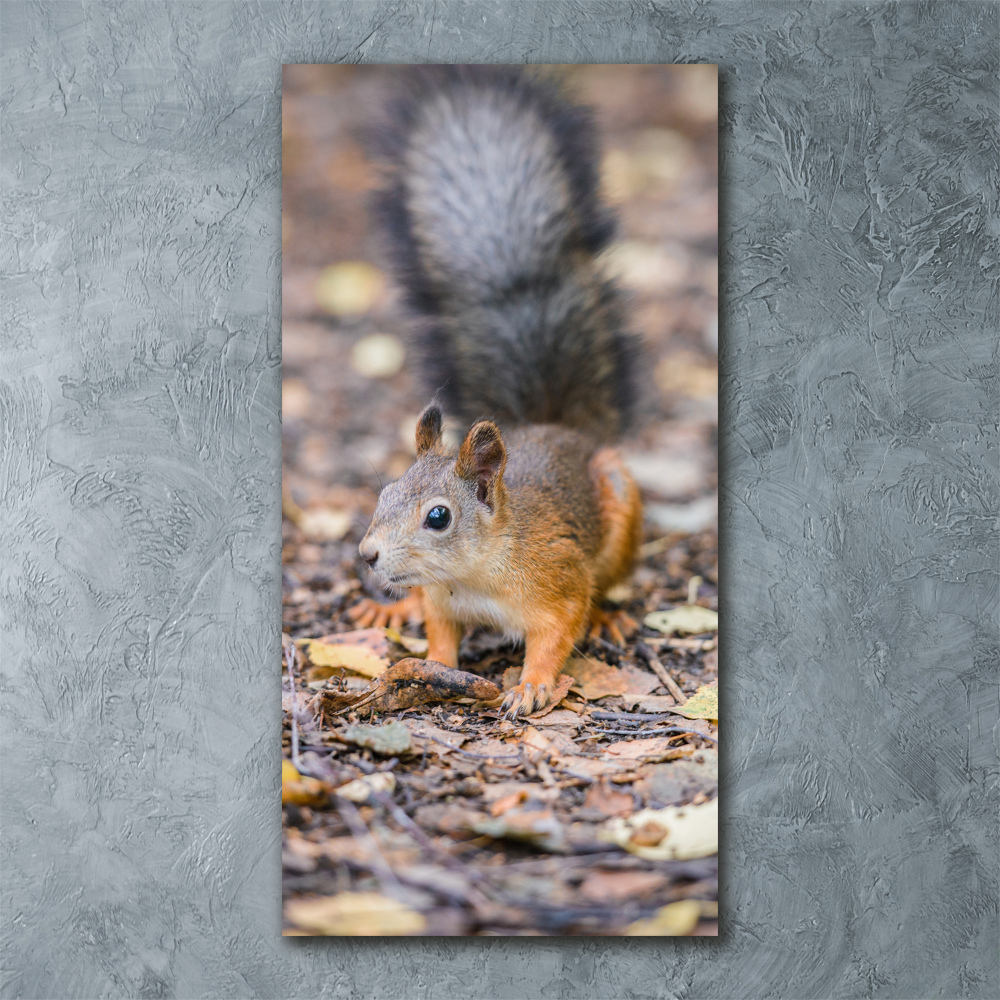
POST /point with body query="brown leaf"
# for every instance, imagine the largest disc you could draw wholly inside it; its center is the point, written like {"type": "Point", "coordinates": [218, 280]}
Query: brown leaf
{"type": "Point", "coordinates": [450, 818]}
{"type": "Point", "coordinates": [640, 682]}
{"type": "Point", "coordinates": [655, 748]}
{"type": "Point", "coordinates": [604, 886]}
{"type": "Point", "coordinates": [679, 781]}
{"type": "Point", "coordinates": [651, 703]}
{"type": "Point", "coordinates": [431, 733]}
{"type": "Point", "coordinates": [558, 717]}
{"type": "Point", "coordinates": [595, 679]}
{"type": "Point", "coordinates": [508, 802]}
{"type": "Point", "coordinates": [329, 702]}
{"type": "Point", "coordinates": [412, 681]}
{"type": "Point", "coordinates": [511, 676]}
{"type": "Point", "coordinates": [408, 683]}
{"type": "Point", "coordinates": [607, 801]}
{"type": "Point", "coordinates": [535, 826]}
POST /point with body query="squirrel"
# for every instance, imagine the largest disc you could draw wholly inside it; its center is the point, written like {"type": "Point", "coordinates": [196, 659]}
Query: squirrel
{"type": "Point", "coordinates": [494, 224]}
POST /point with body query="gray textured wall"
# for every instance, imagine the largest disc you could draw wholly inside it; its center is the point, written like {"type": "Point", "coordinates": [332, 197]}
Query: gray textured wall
{"type": "Point", "coordinates": [140, 512]}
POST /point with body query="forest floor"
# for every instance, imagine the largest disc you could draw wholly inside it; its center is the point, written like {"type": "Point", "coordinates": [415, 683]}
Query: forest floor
{"type": "Point", "coordinates": [401, 815]}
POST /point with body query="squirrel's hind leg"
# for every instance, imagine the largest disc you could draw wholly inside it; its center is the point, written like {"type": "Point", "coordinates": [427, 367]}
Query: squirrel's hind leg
{"type": "Point", "coordinates": [620, 508]}
{"type": "Point", "coordinates": [616, 623]}
{"type": "Point", "coordinates": [370, 614]}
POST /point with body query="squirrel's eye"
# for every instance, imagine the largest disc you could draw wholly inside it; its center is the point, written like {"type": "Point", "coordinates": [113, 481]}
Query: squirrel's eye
{"type": "Point", "coordinates": [438, 518]}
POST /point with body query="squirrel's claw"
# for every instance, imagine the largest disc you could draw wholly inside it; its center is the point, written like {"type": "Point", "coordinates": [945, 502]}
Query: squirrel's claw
{"type": "Point", "coordinates": [370, 614]}
{"type": "Point", "coordinates": [524, 699]}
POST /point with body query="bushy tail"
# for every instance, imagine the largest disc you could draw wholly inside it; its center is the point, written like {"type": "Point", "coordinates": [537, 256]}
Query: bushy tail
{"type": "Point", "coordinates": [494, 222]}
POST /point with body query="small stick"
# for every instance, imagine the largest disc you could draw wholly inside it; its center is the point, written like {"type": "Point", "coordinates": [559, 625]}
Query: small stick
{"type": "Point", "coordinates": [354, 821]}
{"type": "Point", "coordinates": [642, 733]}
{"type": "Point", "coordinates": [668, 682]}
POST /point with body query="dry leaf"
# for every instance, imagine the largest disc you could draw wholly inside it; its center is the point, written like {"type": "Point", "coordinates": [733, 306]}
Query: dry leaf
{"type": "Point", "coordinates": [703, 704]}
{"type": "Point", "coordinates": [607, 801]}
{"type": "Point", "coordinates": [639, 682]}
{"type": "Point", "coordinates": [515, 798]}
{"type": "Point", "coordinates": [411, 682]}
{"type": "Point", "coordinates": [557, 717]}
{"type": "Point", "coordinates": [595, 679]}
{"type": "Point", "coordinates": [428, 731]}
{"type": "Point", "coordinates": [673, 920]}
{"type": "Point", "coordinates": [389, 740]}
{"type": "Point", "coordinates": [652, 704]}
{"type": "Point", "coordinates": [535, 826]}
{"type": "Point", "coordinates": [679, 781]}
{"type": "Point", "coordinates": [621, 886]}
{"type": "Point", "coordinates": [676, 833]}
{"type": "Point", "coordinates": [361, 789]}
{"type": "Point", "coordinates": [354, 651]}
{"type": "Point", "coordinates": [355, 914]}
{"type": "Point", "coordinates": [511, 677]}
{"type": "Point", "coordinates": [687, 619]}
{"type": "Point", "coordinates": [373, 639]}
{"type": "Point", "coordinates": [349, 289]}
{"type": "Point", "coordinates": [653, 749]}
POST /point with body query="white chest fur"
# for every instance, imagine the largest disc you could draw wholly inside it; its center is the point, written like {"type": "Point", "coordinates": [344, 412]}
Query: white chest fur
{"type": "Point", "coordinates": [476, 608]}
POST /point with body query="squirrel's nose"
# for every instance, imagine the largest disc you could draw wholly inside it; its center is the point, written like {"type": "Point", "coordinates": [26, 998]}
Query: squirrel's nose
{"type": "Point", "coordinates": [368, 552]}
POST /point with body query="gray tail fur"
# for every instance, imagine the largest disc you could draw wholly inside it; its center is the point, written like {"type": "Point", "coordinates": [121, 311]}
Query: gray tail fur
{"type": "Point", "coordinates": [493, 222]}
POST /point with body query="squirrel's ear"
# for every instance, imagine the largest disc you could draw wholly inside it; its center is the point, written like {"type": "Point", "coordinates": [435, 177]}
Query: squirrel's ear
{"type": "Point", "coordinates": [482, 457]}
{"type": "Point", "coordinates": [429, 429]}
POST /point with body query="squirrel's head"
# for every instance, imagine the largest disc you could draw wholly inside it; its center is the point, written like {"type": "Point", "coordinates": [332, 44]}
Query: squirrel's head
{"type": "Point", "coordinates": [440, 521]}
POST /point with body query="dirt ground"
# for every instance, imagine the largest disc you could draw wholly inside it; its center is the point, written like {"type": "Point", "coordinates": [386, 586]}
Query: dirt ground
{"type": "Point", "coordinates": [443, 818]}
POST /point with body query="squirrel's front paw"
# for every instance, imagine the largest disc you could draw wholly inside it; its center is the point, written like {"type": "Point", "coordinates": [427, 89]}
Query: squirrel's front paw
{"type": "Point", "coordinates": [525, 699]}
{"type": "Point", "coordinates": [370, 614]}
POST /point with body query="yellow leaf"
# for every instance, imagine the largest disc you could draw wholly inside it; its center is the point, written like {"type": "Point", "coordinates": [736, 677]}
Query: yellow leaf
{"type": "Point", "coordinates": [672, 920]}
{"type": "Point", "coordinates": [349, 289]}
{"type": "Point", "coordinates": [677, 833]}
{"type": "Point", "coordinates": [357, 659]}
{"type": "Point", "coordinates": [354, 914]}
{"type": "Point", "coordinates": [688, 619]}
{"type": "Point", "coordinates": [299, 790]}
{"type": "Point", "coordinates": [703, 704]}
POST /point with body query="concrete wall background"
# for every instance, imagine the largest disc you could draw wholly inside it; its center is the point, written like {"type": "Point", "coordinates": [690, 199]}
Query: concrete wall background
{"type": "Point", "coordinates": [140, 513]}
